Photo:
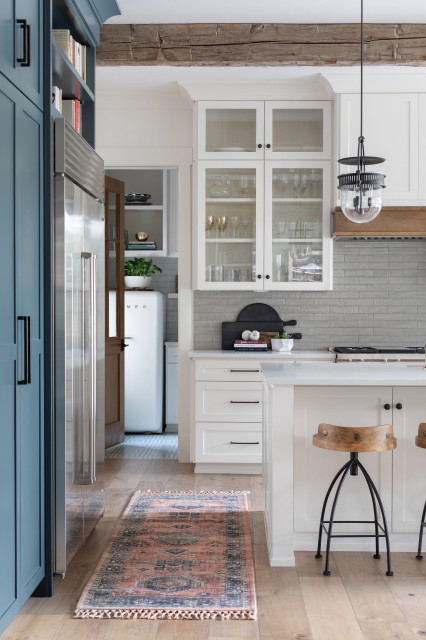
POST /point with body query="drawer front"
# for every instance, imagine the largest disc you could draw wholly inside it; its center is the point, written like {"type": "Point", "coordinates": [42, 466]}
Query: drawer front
{"type": "Point", "coordinates": [228, 402]}
{"type": "Point", "coordinates": [228, 370]}
{"type": "Point", "coordinates": [227, 442]}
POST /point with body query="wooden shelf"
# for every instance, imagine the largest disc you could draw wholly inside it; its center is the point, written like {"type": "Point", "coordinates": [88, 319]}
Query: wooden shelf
{"type": "Point", "coordinates": [65, 76]}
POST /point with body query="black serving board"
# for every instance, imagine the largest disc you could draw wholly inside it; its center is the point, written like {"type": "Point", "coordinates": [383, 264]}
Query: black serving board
{"type": "Point", "coordinates": [257, 316]}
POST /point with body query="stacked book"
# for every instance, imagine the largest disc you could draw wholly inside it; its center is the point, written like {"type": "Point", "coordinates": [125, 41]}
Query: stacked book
{"type": "Point", "coordinates": [142, 245]}
{"type": "Point", "coordinates": [250, 345]}
{"type": "Point", "coordinates": [75, 52]}
{"type": "Point", "coordinates": [71, 110]}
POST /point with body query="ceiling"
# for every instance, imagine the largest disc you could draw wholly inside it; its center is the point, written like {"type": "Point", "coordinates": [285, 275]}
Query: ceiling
{"type": "Point", "coordinates": [268, 11]}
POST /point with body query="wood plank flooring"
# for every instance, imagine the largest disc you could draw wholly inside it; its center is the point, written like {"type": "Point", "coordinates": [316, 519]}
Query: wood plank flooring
{"type": "Point", "coordinates": [357, 602]}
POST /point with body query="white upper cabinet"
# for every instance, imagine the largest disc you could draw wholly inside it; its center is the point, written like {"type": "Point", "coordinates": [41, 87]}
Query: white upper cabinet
{"type": "Point", "coordinates": [422, 147]}
{"type": "Point", "coordinates": [234, 129]}
{"type": "Point", "coordinates": [391, 130]}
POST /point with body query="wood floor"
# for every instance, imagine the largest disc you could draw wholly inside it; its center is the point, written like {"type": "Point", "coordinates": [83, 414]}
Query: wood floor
{"type": "Point", "coordinates": [357, 602]}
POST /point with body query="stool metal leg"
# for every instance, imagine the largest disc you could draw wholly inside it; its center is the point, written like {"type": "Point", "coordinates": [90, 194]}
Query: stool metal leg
{"type": "Point", "coordinates": [327, 495]}
{"type": "Point", "coordinates": [326, 571]}
{"type": "Point", "coordinates": [422, 526]}
{"type": "Point", "coordinates": [371, 484]}
{"type": "Point", "coordinates": [376, 522]}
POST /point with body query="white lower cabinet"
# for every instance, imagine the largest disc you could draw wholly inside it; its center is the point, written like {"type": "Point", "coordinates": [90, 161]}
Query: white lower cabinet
{"type": "Point", "coordinates": [395, 473]}
{"type": "Point", "coordinates": [171, 386]}
{"type": "Point", "coordinates": [229, 442]}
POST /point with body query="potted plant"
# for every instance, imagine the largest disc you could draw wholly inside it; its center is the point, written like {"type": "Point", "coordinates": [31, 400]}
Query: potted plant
{"type": "Point", "coordinates": [282, 342]}
{"type": "Point", "coordinates": [138, 273]}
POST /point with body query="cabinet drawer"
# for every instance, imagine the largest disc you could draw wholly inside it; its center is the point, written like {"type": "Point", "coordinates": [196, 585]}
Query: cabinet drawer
{"type": "Point", "coordinates": [228, 370]}
{"type": "Point", "coordinates": [227, 442]}
{"type": "Point", "coordinates": [228, 401]}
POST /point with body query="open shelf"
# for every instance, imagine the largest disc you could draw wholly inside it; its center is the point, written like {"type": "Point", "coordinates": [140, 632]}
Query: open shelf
{"type": "Point", "coordinates": [66, 76]}
{"type": "Point", "coordinates": [229, 200]}
{"type": "Point", "coordinates": [143, 207]}
{"type": "Point", "coordinates": [230, 240]}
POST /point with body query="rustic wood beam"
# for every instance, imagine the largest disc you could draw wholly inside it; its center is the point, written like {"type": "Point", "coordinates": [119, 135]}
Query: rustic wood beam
{"type": "Point", "coordinates": [260, 44]}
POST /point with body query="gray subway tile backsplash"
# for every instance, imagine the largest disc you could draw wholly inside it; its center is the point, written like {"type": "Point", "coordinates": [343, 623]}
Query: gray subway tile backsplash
{"type": "Point", "coordinates": [379, 298]}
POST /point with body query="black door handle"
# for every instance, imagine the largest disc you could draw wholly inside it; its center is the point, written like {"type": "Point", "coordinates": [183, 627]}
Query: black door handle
{"type": "Point", "coordinates": [25, 60]}
{"type": "Point", "coordinates": [398, 405]}
{"type": "Point", "coordinates": [386, 406]}
{"type": "Point", "coordinates": [123, 344]}
{"type": "Point", "coordinates": [26, 350]}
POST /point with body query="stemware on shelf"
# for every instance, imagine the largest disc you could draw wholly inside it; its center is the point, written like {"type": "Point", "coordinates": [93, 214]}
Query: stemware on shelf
{"type": "Point", "coordinates": [235, 223]}
{"type": "Point", "coordinates": [245, 222]}
{"type": "Point", "coordinates": [210, 223]}
{"type": "Point", "coordinates": [222, 223]}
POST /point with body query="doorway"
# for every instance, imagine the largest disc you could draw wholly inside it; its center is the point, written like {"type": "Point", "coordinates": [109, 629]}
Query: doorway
{"type": "Point", "coordinates": [150, 212]}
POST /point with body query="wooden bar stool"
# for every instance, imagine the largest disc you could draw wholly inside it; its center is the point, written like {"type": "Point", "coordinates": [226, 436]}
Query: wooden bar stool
{"type": "Point", "coordinates": [354, 440]}
{"type": "Point", "coordinates": [421, 442]}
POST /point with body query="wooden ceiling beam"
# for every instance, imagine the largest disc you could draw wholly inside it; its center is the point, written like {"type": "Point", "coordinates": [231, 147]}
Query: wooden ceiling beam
{"type": "Point", "coordinates": [260, 44]}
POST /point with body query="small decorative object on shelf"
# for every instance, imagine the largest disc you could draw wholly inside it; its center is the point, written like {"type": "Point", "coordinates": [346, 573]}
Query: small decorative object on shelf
{"type": "Point", "coordinates": [282, 342]}
{"type": "Point", "coordinates": [75, 52]}
{"type": "Point", "coordinates": [137, 198]}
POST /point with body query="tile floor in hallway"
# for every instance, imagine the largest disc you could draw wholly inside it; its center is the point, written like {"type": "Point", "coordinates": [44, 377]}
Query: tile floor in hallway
{"type": "Point", "coordinates": [357, 602]}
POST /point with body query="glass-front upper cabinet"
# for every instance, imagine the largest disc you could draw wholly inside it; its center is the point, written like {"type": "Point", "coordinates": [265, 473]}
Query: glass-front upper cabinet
{"type": "Point", "coordinates": [297, 238]}
{"type": "Point", "coordinates": [230, 225]}
{"type": "Point", "coordinates": [298, 130]}
{"type": "Point", "coordinates": [264, 130]}
{"type": "Point", "coordinates": [230, 129]}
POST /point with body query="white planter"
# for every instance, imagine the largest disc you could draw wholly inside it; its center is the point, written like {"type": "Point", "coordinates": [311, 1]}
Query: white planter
{"type": "Point", "coordinates": [137, 282]}
{"type": "Point", "coordinates": [282, 344]}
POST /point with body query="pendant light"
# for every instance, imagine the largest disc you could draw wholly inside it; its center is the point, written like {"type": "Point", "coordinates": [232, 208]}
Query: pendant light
{"type": "Point", "coordinates": [361, 192]}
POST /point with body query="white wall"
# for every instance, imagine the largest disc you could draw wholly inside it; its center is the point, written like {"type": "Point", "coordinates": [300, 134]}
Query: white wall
{"type": "Point", "coordinates": [153, 128]}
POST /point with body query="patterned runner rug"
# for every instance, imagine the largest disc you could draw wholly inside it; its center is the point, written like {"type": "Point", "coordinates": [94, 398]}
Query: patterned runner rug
{"type": "Point", "coordinates": [176, 555]}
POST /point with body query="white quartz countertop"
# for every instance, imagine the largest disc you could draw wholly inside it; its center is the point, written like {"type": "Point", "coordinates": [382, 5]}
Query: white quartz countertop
{"type": "Point", "coordinates": [301, 354]}
{"type": "Point", "coordinates": [350, 374]}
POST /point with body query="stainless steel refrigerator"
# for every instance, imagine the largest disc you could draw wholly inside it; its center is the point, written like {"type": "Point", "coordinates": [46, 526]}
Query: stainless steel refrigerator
{"type": "Point", "coordinates": [79, 335]}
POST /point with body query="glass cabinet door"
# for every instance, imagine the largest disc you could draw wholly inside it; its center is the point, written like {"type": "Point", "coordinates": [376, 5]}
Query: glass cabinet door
{"type": "Point", "coordinates": [230, 129]}
{"type": "Point", "coordinates": [298, 129]}
{"type": "Point", "coordinates": [230, 230]}
{"type": "Point", "coordinates": [296, 207]}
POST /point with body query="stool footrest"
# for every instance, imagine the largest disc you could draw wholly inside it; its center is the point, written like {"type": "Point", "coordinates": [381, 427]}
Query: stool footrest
{"type": "Point", "coordinates": [354, 535]}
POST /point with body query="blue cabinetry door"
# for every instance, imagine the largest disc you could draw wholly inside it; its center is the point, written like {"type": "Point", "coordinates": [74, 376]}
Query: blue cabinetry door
{"type": "Point", "coordinates": [21, 347]}
{"type": "Point", "coordinates": [8, 361]}
{"type": "Point", "coordinates": [21, 54]}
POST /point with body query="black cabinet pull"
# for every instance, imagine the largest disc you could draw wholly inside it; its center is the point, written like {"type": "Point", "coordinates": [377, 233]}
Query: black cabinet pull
{"type": "Point", "coordinates": [123, 344]}
{"type": "Point", "coordinates": [386, 406]}
{"type": "Point", "coordinates": [259, 276]}
{"type": "Point", "coordinates": [268, 146]}
{"type": "Point", "coordinates": [259, 146]}
{"type": "Point", "coordinates": [26, 350]}
{"type": "Point", "coordinates": [244, 401]}
{"type": "Point", "coordinates": [267, 277]}
{"type": "Point", "coordinates": [25, 60]}
{"type": "Point", "coordinates": [232, 442]}
{"type": "Point", "coordinates": [398, 405]}
{"type": "Point", "coordinates": [244, 370]}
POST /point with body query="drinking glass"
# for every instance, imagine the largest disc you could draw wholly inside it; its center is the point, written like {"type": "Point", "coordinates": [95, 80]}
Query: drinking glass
{"type": "Point", "coordinates": [244, 185]}
{"type": "Point", "coordinates": [222, 223]}
{"type": "Point", "coordinates": [210, 223]}
{"type": "Point", "coordinates": [296, 185]}
{"type": "Point", "coordinates": [235, 223]}
{"type": "Point", "coordinates": [245, 224]}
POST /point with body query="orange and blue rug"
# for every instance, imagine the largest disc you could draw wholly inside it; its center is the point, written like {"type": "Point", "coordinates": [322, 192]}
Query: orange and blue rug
{"type": "Point", "coordinates": [176, 555]}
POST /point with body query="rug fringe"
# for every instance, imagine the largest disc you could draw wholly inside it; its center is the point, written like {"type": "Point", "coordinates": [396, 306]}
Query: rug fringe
{"type": "Point", "coordinates": [194, 493]}
{"type": "Point", "coordinates": [165, 614]}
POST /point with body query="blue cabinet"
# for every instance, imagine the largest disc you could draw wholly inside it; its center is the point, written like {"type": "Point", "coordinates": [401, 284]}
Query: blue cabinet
{"type": "Point", "coordinates": [21, 348]}
{"type": "Point", "coordinates": [21, 39]}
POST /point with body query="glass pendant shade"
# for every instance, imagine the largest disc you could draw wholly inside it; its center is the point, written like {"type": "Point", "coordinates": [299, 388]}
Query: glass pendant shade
{"type": "Point", "coordinates": [361, 195]}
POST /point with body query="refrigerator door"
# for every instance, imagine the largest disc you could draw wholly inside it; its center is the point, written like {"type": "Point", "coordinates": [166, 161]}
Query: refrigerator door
{"type": "Point", "coordinates": [79, 367]}
{"type": "Point", "coordinates": [144, 329]}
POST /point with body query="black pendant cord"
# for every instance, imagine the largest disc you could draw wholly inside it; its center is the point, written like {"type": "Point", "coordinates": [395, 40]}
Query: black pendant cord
{"type": "Point", "coordinates": [361, 137]}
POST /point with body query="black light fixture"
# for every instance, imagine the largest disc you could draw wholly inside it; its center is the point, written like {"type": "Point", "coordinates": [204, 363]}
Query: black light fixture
{"type": "Point", "coordinates": [361, 192]}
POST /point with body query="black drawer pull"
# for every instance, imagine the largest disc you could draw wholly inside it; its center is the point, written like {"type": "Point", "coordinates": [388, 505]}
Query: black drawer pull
{"type": "Point", "coordinates": [244, 370]}
{"type": "Point", "coordinates": [26, 349]}
{"type": "Point", "coordinates": [244, 442]}
{"type": "Point", "coordinates": [244, 401]}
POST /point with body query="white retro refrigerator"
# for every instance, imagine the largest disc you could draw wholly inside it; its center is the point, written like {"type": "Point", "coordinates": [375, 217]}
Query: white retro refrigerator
{"type": "Point", "coordinates": [145, 333]}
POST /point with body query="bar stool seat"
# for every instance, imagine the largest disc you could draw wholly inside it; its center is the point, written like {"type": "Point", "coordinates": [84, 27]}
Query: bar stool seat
{"type": "Point", "coordinates": [354, 440]}
{"type": "Point", "coordinates": [421, 442]}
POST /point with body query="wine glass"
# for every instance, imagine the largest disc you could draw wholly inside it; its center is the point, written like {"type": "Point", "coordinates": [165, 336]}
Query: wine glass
{"type": "Point", "coordinates": [244, 185]}
{"type": "Point", "coordinates": [303, 185]}
{"type": "Point", "coordinates": [296, 185]}
{"type": "Point", "coordinates": [222, 223]}
{"type": "Point", "coordinates": [235, 223]}
{"type": "Point", "coordinates": [210, 223]}
{"type": "Point", "coordinates": [245, 224]}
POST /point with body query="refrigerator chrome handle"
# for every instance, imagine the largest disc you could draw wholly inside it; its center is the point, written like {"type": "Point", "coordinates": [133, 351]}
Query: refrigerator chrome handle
{"type": "Point", "coordinates": [92, 436]}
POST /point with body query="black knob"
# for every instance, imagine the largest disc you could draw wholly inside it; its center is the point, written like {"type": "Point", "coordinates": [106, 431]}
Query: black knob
{"type": "Point", "coordinates": [259, 276]}
{"type": "Point", "coordinates": [398, 405]}
{"type": "Point", "coordinates": [259, 146]}
{"type": "Point", "coordinates": [386, 406]}
{"type": "Point", "coordinates": [268, 146]}
{"type": "Point", "coordinates": [267, 277]}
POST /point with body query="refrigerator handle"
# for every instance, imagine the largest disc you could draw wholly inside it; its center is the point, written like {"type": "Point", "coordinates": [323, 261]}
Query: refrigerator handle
{"type": "Point", "coordinates": [92, 436]}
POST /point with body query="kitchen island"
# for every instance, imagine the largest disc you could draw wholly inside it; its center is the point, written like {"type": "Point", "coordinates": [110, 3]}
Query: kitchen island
{"type": "Point", "coordinates": [297, 397]}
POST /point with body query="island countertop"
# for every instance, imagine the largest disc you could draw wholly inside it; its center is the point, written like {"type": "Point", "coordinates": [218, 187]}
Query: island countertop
{"type": "Point", "coordinates": [345, 374]}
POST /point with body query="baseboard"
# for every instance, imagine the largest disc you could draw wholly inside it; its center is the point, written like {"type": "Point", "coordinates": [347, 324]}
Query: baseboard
{"type": "Point", "coordinates": [171, 428]}
{"type": "Point", "coordinates": [234, 469]}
